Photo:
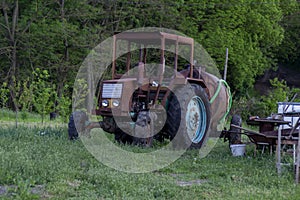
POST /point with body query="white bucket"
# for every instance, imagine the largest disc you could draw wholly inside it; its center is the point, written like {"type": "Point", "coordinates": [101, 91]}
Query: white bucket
{"type": "Point", "coordinates": [238, 149]}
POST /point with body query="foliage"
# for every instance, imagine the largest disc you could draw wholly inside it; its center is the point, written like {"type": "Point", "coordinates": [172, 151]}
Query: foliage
{"type": "Point", "coordinates": [279, 94]}
{"type": "Point", "coordinates": [43, 99]}
{"type": "Point", "coordinates": [64, 105]}
{"type": "Point", "coordinates": [289, 50]}
{"type": "Point", "coordinates": [250, 31]}
{"type": "Point", "coordinates": [26, 96]}
{"type": "Point", "coordinates": [57, 35]}
{"type": "Point", "coordinates": [264, 106]}
{"type": "Point", "coordinates": [4, 94]}
{"type": "Point", "coordinates": [80, 92]}
{"type": "Point", "coordinates": [15, 92]}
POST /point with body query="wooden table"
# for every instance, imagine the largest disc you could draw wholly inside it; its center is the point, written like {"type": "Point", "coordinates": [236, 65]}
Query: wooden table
{"type": "Point", "coordinates": [267, 134]}
{"type": "Point", "coordinates": [266, 124]}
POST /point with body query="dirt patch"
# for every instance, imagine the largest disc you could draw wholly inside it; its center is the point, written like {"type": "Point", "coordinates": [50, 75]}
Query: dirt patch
{"type": "Point", "coordinates": [8, 190]}
{"type": "Point", "coordinates": [188, 183]}
{"type": "Point", "coordinates": [3, 190]}
{"type": "Point", "coordinates": [192, 182]}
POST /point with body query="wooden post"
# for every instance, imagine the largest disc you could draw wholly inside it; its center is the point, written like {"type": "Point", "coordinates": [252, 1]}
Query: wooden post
{"type": "Point", "coordinates": [278, 151]}
{"type": "Point", "coordinates": [145, 54]}
{"type": "Point", "coordinates": [114, 57]}
{"type": "Point", "coordinates": [161, 70]}
{"type": "Point", "coordinates": [192, 60]}
{"type": "Point", "coordinates": [128, 57]}
{"type": "Point", "coordinates": [225, 67]}
{"type": "Point", "coordinates": [298, 158]}
{"type": "Point", "coordinates": [176, 57]}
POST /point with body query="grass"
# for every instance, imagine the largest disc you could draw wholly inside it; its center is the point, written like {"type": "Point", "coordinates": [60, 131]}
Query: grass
{"type": "Point", "coordinates": [42, 163]}
{"type": "Point", "coordinates": [9, 115]}
{"type": "Point", "coordinates": [26, 118]}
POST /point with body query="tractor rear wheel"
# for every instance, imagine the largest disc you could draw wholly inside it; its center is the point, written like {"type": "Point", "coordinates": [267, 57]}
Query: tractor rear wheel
{"type": "Point", "coordinates": [188, 117]}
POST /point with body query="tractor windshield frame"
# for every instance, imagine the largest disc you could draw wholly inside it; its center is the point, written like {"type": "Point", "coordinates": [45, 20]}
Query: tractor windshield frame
{"type": "Point", "coordinates": [144, 39]}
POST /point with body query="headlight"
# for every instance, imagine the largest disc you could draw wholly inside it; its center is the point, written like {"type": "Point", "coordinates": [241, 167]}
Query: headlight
{"type": "Point", "coordinates": [115, 103]}
{"type": "Point", "coordinates": [104, 103]}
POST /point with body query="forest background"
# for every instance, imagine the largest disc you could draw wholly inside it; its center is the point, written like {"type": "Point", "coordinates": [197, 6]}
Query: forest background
{"type": "Point", "coordinates": [43, 43]}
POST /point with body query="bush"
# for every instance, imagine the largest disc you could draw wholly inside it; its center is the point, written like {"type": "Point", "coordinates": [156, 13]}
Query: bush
{"type": "Point", "coordinates": [264, 106]}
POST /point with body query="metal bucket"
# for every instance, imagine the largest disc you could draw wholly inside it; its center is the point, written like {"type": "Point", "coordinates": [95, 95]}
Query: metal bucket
{"type": "Point", "coordinates": [238, 149]}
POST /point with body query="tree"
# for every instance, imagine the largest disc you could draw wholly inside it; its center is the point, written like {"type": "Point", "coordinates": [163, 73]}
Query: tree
{"type": "Point", "coordinates": [289, 50]}
{"type": "Point", "coordinates": [251, 33]}
{"type": "Point", "coordinates": [59, 37]}
{"type": "Point", "coordinates": [9, 24]}
{"type": "Point", "coordinates": [43, 92]}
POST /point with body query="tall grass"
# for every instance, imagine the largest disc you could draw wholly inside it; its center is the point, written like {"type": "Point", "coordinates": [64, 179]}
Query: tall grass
{"type": "Point", "coordinates": [7, 115]}
{"type": "Point", "coordinates": [44, 158]}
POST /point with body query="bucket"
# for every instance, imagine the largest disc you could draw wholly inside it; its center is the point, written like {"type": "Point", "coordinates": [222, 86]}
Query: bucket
{"type": "Point", "coordinates": [238, 149]}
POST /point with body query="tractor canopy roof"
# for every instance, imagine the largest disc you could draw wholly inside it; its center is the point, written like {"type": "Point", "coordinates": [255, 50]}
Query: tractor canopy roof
{"type": "Point", "coordinates": [154, 38]}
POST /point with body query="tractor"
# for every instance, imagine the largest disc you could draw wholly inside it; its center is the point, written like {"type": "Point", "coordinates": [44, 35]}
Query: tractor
{"type": "Point", "coordinates": [152, 93]}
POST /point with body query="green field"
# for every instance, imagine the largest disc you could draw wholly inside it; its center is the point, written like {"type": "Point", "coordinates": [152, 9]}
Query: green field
{"type": "Point", "coordinates": [41, 163]}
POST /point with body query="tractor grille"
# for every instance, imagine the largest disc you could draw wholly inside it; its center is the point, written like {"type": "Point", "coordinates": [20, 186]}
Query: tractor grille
{"type": "Point", "coordinates": [112, 91]}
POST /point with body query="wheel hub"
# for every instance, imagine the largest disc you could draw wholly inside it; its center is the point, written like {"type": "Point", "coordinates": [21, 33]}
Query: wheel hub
{"type": "Point", "coordinates": [195, 119]}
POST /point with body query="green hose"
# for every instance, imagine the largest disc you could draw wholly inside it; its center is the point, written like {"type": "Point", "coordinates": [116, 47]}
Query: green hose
{"type": "Point", "coordinates": [221, 81]}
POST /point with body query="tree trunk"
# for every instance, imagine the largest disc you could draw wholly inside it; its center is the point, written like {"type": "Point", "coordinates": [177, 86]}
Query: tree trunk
{"type": "Point", "coordinates": [11, 37]}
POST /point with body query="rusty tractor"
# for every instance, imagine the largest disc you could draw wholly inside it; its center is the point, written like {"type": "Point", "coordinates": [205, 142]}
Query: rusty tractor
{"type": "Point", "coordinates": [142, 101]}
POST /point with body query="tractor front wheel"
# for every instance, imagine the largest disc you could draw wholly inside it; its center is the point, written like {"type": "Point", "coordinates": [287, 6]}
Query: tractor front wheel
{"type": "Point", "coordinates": [76, 124]}
{"type": "Point", "coordinates": [122, 137]}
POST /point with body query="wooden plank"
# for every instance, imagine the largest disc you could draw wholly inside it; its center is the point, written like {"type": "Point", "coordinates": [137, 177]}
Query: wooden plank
{"type": "Point", "coordinates": [248, 130]}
